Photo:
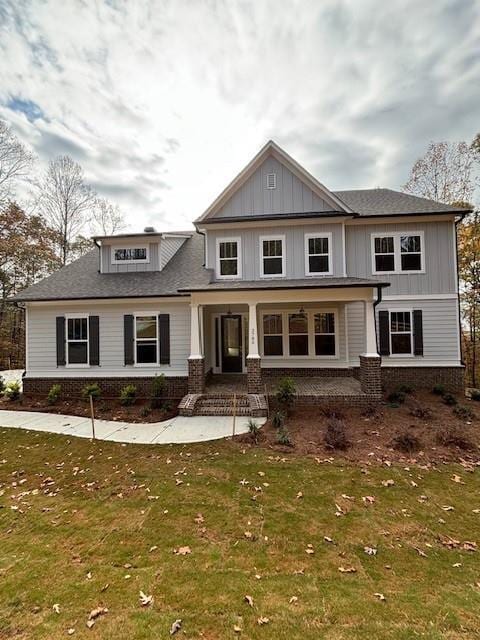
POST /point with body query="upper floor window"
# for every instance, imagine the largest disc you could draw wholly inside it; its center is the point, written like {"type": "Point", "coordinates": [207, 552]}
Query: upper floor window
{"type": "Point", "coordinates": [229, 258]}
{"type": "Point", "coordinates": [146, 343]}
{"type": "Point", "coordinates": [272, 256]}
{"type": "Point", "coordinates": [120, 255]}
{"type": "Point", "coordinates": [317, 254]}
{"type": "Point", "coordinates": [398, 253]}
{"type": "Point", "coordinates": [77, 340]}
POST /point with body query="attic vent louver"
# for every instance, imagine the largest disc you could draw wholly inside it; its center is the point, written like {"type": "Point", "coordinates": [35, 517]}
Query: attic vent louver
{"type": "Point", "coordinates": [271, 180]}
{"type": "Point", "coordinates": [149, 230]}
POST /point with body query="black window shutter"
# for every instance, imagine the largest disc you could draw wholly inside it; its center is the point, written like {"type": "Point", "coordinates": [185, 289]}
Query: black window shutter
{"type": "Point", "coordinates": [61, 341]}
{"type": "Point", "coordinates": [384, 330]}
{"type": "Point", "coordinates": [94, 340]}
{"type": "Point", "coordinates": [128, 339]}
{"type": "Point", "coordinates": [164, 335]}
{"type": "Point", "coordinates": [417, 333]}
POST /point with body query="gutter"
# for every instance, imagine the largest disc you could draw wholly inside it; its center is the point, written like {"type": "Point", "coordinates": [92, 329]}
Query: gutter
{"type": "Point", "coordinates": [202, 233]}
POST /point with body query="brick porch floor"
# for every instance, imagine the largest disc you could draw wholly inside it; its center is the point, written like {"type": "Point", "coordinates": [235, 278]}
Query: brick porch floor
{"type": "Point", "coordinates": [322, 386]}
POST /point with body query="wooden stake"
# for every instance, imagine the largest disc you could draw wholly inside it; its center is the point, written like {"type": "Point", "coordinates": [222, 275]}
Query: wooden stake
{"type": "Point", "coordinates": [93, 417]}
{"type": "Point", "coordinates": [266, 400]}
{"type": "Point", "coordinates": [234, 411]}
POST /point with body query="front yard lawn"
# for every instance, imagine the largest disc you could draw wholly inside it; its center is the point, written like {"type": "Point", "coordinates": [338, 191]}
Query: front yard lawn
{"type": "Point", "coordinates": [91, 524]}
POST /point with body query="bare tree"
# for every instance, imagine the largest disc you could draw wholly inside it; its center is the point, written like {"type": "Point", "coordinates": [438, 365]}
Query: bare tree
{"type": "Point", "coordinates": [66, 202]}
{"type": "Point", "coordinates": [108, 219]}
{"type": "Point", "coordinates": [444, 173]}
{"type": "Point", "coordinates": [15, 161]}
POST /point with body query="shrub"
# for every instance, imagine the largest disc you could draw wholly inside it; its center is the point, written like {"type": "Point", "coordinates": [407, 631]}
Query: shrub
{"type": "Point", "coordinates": [474, 394]}
{"type": "Point", "coordinates": [407, 442]}
{"type": "Point", "coordinates": [450, 399]}
{"type": "Point", "coordinates": [12, 390]}
{"type": "Point", "coordinates": [438, 389]}
{"type": "Point", "coordinates": [462, 412]}
{"type": "Point", "coordinates": [332, 412]}
{"type": "Point", "coordinates": [396, 397]}
{"type": "Point", "coordinates": [91, 389]}
{"type": "Point", "coordinates": [253, 430]}
{"type": "Point", "coordinates": [370, 411]}
{"type": "Point", "coordinates": [424, 413]}
{"type": "Point", "coordinates": [128, 395]}
{"type": "Point", "coordinates": [336, 435]}
{"type": "Point", "coordinates": [145, 411]}
{"type": "Point", "coordinates": [286, 392]}
{"type": "Point", "coordinates": [2, 384]}
{"type": "Point", "coordinates": [167, 406]}
{"type": "Point", "coordinates": [54, 393]}
{"type": "Point", "coordinates": [405, 388]}
{"type": "Point", "coordinates": [159, 386]}
{"type": "Point", "coordinates": [453, 437]}
{"type": "Point", "coordinates": [283, 437]}
{"type": "Point", "coordinates": [278, 419]}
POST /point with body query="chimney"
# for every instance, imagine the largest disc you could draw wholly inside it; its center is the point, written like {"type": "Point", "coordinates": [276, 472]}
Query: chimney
{"type": "Point", "coordinates": [149, 230]}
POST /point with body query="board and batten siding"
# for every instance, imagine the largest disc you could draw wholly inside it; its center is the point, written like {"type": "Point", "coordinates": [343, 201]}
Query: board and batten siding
{"type": "Point", "coordinates": [439, 254]}
{"type": "Point", "coordinates": [294, 247]}
{"type": "Point", "coordinates": [41, 340]}
{"type": "Point", "coordinates": [152, 265]}
{"type": "Point", "coordinates": [291, 195]}
{"type": "Point", "coordinates": [168, 248]}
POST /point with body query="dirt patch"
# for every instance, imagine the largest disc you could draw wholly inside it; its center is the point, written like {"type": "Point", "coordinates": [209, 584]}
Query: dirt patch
{"type": "Point", "coordinates": [372, 433]}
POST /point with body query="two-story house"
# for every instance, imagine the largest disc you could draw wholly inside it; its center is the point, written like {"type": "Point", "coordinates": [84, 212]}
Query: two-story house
{"type": "Point", "coordinates": [345, 291]}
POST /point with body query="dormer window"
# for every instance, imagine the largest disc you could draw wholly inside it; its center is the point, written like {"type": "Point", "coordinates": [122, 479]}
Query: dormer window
{"type": "Point", "coordinates": [271, 180]}
{"type": "Point", "coordinates": [125, 255]}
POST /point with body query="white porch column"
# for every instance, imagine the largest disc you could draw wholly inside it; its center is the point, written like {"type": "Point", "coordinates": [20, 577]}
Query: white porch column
{"type": "Point", "coordinates": [252, 331]}
{"type": "Point", "coordinates": [370, 333]}
{"type": "Point", "coordinates": [195, 342]}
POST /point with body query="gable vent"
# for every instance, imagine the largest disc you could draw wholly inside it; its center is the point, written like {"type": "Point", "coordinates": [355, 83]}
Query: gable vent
{"type": "Point", "coordinates": [271, 180]}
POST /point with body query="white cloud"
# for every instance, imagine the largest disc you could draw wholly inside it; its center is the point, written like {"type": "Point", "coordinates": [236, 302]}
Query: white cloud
{"type": "Point", "coordinates": [163, 102]}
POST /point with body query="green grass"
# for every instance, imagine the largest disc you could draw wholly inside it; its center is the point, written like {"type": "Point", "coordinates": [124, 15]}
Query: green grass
{"type": "Point", "coordinates": [100, 519]}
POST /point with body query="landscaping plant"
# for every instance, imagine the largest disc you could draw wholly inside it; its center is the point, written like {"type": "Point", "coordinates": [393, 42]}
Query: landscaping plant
{"type": "Point", "coordinates": [336, 435]}
{"type": "Point", "coordinates": [278, 418]}
{"type": "Point", "coordinates": [407, 442]}
{"type": "Point", "coordinates": [450, 399]}
{"type": "Point", "coordinates": [475, 395]}
{"type": "Point", "coordinates": [285, 393]}
{"type": "Point", "coordinates": [159, 386]}
{"type": "Point", "coordinates": [12, 390]}
{"type": "Point", "coordinates": [54, 394]}
{"type": "Point", "coordinates": [253, 430]}
{"type": "Point", "coordinates": [283, 437]}
{"type": "Point", "coordinates": [438, 389]}
{"type": "Point", "coordinates": [91, 389]}
{"type": "Point", "coordinates": [462, 412]}
{"type": "Point", "coordinates": [2, 384]}
{"type": "Point", "coordinates": [128, 395]}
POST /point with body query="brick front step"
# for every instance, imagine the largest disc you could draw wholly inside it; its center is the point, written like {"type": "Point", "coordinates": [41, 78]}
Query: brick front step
{"type": "Point", "coordinates": [251, 404]}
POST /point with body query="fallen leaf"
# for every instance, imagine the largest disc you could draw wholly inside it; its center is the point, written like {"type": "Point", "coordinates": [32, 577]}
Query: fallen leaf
{"type": "Point", "coordinates": [456, 478]}
{"type": "Point", "coordinates": [199, 519]}
{"type": "Point", "coordinates": [98, 611]}
{"type": "Point", "coordinates": [90, 623]}
{"type": "Point", "coordinates": [368, 499]}
{"type": "Point", "coordinates": [71, 631]}
{"type": "Point", "coordinates": [237, 628]}
{"type": "Point", "coordinates": [249, 600]}
{"type": "Point", "coordinates": [182, 551]}
{"type": "Point", "coordinates": [293, 600]}
{"type": "Point", "coordinates": [380, 596]}
{"type": "Point", "coordinates": [347, 569]}
{"type": "Point", "coordinates": [370, 551]}
{"type": "Point", "coordinates": [56, 608]}
{"type": "Point", "coordinates": [388, 483]}
{"type": "Point", "coordinates": [263, 620]}
{"type": "Point", "coordinates": [328, 539]}
{"type": "Point", "coordinates": [447, 507]}
{"type": "Point", "coordinates": [145, 600]}
{"type": "Point", "coordinates": [176, 626]}
{"type": "Point", "coordinates": [299, 495]}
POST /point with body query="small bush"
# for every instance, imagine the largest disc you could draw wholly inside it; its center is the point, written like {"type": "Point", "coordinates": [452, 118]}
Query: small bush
{"type": "Point", "coordinates": [2, 384]}
{"type": "Point", "coordinates": [278, 419]}
{"type": "Point", "coordinates": [370, 411]}
{"type": "Point", "coordinates": [286, 392]}
{"type": "Point", "coordinates": [450, 399]}
{"type": "Point", "coordinates": [439, 389]}
{"type": "Point", "coordinates": [128, 395]}
{"type": "Point", "coordinates": [167, 406]}
{"type": "Point", "coordinates": [474, 394]}
{"type": "Point", "coordinates": [462, 412]}
{"type": "Point", "coordinates": [336, 435]}
{"type": "Point", "coordinates": [91, 389]}
{"type": "Point", "coordinates": [405, 388]}
{"type": "Point", "coordinates": [332, 412]}
{"type": "Point", "coordinates": [407, 442]}
{"type": "Point", "coordinates": [284, 438]}
{"type": "Point", "coordinates": [145, 411]}
{"type": "Point", "coordinates": [12, 390]}
{"type": "Point", "coordinates": [424, 413]}
{"type": "Point", "coordinates": [454, 437]}
{"type": "Point", "coordinates": [54, 394]}
{"type": "Point", "coordinates": [159, 386]}
{"type": "Point", "coordinates": [396, 397]}
{"type": "Point", "coordinates": [253, 430]}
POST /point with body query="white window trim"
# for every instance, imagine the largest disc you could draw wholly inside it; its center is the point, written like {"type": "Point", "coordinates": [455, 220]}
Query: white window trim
{"type": "Point", "coordinates": [144, 314]}
{"type": "Point", "coordinates": [219, 241]}
{"type": "Point", "coordinates": [73, 365]}
{"type": "Point", "coordinates": [274, 312]}
{"type": "Point", "coordinates": [396, 235]}
{"type": "Point", "coordinates": [335, 333]}
{"type": "Point", "coordinates": [311, 333]}
{"type": "Point", "coordinates": [308, 236]}
{"type": "Point", "coordinates": [131, 246]}
{"type": "Point", "coordinates": [271, 276]}
{"type": "Point", "coordinates": [400, 355]}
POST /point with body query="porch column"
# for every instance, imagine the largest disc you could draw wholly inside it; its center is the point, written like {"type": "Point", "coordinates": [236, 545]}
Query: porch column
{"type": "Point", "coordinates": [254, 372]}
{"type": "Point", "coordinates": [196, 361]}
{"type": "Point", "coordinates": [370, 361]}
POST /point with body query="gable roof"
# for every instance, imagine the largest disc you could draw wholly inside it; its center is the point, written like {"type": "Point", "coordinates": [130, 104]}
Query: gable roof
{"type": "Point", "coordinates": [272, 149]}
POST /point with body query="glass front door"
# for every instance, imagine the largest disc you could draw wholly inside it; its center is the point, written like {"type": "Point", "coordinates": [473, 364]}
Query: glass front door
{"type": "Point", "coordinates": [232, 344]}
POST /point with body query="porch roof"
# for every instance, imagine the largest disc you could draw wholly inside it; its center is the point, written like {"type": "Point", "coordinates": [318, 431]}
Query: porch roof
{"type": "Point", "coordinates": [299, 283]}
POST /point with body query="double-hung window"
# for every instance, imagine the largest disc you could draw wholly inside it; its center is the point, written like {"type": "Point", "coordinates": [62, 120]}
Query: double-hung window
{"type": "Point", "coordinates": [298, 334]}
{"type": "Point", "coordinates": [398, 253]}
{"type": "Point", "coordinates": [401, 333]}
{"type": "Point", "coordinates": [228, 258]}
{"type": "Point", "coordinates": [146, 342]}
{"type": "Point", "coordinates": [324, 329]}
{"type": "Point", "coordinates": [77, 341]}
{"type": "Point", "coordinates": [272, 334]}
{"type": "Point", "coordinates": [272, 256]}
{"type": "Point", "coordinates": [317, 254]}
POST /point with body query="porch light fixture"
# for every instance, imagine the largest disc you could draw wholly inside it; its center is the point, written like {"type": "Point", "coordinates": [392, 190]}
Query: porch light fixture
{"type": "Point", "coordinates": [229, 312]}
{"type": "Point", "coordinates": [301, 311]}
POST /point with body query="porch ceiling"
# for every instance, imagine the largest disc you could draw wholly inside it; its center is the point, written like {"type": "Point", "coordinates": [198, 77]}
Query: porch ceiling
{"type": "Point", "coordinates": [271, 283]}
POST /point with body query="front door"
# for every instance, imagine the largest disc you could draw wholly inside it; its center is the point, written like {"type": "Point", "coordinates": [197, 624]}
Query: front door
{"type": "Point", "coordinates": [232, 344]}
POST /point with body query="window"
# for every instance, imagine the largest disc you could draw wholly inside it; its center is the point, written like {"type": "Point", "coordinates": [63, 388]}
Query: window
{"type": "Point", "coordinates": [398, 253]}
{"type": "Point", "coordinates": [298, 334]}
{"type": "Point", "coordinates": [228, 258]}
{"type": "Point", "coordinates": [401, 341]}
{"type": "Point", "coordinates": [77, 340]}
{"type": "Point", "coordinates": [324, 330]}
{"type": "Point", "coordinates": [317, 254]}
{"type": "Point", "coordinates": [129, 254]}
{"type": "Point", "coordinates": [271, 180]}
{"type": "Point", "coordinates": [146, 340]}
{"type": "Point", "coordinates": [272, 335]}
{"type": "Point", "coordinates": [272, 258]}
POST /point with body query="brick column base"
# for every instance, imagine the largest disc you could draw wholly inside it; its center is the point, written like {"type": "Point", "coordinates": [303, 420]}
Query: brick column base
{"type": "Point", "coordinates": [196, 375]}
{"type": "Point", "coordinates": [254, 375]}
{"type": "Point", "coordinates": [370, 375]}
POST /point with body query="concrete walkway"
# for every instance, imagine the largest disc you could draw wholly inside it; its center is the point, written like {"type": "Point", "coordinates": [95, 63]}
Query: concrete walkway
{"type": "Point", "coordinates": [177, 430]}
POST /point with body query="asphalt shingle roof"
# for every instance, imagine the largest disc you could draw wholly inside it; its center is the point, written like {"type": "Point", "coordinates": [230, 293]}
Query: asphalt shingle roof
{"type": "Point", "coordinates": [298, 283]}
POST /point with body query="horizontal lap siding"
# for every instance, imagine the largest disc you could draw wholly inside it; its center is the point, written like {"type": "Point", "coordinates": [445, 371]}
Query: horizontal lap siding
{"type": "Point", "coordinates": [356, 331]}
{"type": "Point", "coordinates": [42, 340]}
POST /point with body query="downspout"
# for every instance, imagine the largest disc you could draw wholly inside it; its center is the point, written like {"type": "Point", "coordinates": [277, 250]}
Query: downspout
{"type": "Point", "coordinates": [462, 362]}
{"type": "Point", "coordinates": [202, 233]}
{"type": "Point", "coordinates": [375, 305]}
{"type": "Point", "coordinates": [95, 242]}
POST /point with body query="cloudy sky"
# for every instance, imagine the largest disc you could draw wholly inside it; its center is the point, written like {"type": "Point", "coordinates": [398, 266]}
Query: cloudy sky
{"type": "Point", "coordinates": [162, 102]}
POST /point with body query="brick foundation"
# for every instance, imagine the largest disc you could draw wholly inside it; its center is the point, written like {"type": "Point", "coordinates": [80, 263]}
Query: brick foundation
{"type": "Point", "coordinates": [323, 372]}
{"type": "Point", "coordinates": [254, 375]}
{"type": "Point", "coordinates": [175, 387]}
{"type": "Point", "coordinates": [196, 375]}
{"type": "Point", "coordinates": [425, 377]}
{"type": "Point", "coordinates": [370, 375]}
